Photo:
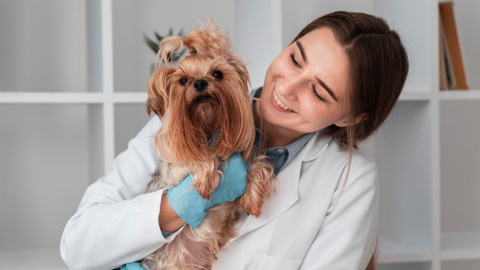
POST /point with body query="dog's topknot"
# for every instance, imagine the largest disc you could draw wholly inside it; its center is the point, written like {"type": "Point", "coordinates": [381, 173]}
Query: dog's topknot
{"type": "Point", "coordinates": [205, 40]}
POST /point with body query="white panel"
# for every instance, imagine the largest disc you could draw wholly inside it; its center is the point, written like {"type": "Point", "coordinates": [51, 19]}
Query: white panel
{"type": "Point", "coordinates": [43, 172]}
{"type": "Point", "coordinates": [256, 35]}
{"type": "Point", "coordinates": [461, 265]}
{"type": "Point", "coordinates": [129, 120]}
{"type": "Point", "coordinates": [32, 259]}
{"type": "Point", "coordinates": [412, 19]}
{"type": "Point", "coordinates": [460, 245]}
{"type": "Point", "coordinates": [297, 14]}
{"type": "Point", "coordinates": [96, 155]}
{"type": "Point", "coordinates": [403, 157]}
{"type": "Point", "coordinates": [132, 19]}
{"type": "Point", "coordinates": [43, 46]}
{"type": "Point", "coordinates": [108, 134]}
{"type": "Point", "coordinates": [94, 42]}
{"type": "Point", "coordinates": [460, 170]}
{"type": "Point", "coordinates": [107, 86]}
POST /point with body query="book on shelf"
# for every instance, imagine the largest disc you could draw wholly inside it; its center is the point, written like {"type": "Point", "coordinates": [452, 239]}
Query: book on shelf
{"type": "Point", "coordinates": [452, 69]}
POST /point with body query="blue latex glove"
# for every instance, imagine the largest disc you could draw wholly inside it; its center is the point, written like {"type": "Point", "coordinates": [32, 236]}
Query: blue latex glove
{"type": "Point", "coordinates": [192, 208]}
{"type": "Point", "coordinates": [132, 266]}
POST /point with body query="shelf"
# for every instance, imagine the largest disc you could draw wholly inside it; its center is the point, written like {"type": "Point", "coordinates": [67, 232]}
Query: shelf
{"type": "Point", "coordinates": [459, 94]}
{"type": "Point", "coordinates": [130, 97]}
{"type": "Point", "coordinates": [409, 266]}
{"type": "Point", "coordinates": [69, 98]}
{"type": "Point", "coordinates": [32, 259]}
{"type": "Point", "coordinates": [460, 245]}
{"type": "Point", "coordinates": [408, 96]}
{"type": "Point", "coordinates": [50, 97]}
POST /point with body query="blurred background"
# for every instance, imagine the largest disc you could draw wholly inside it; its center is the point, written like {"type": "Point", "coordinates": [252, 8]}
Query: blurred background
{"type": "Point", "coordinates": [73, 78]}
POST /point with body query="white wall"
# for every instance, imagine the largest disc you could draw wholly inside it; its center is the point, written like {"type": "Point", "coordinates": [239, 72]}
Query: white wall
{"type": "Point", "coordinates": [43, 54]}
{"type": "Point", "coordinates": [132, 19]}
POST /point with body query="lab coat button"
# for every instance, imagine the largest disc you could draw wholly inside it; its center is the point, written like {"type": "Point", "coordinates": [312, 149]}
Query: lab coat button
{"type": "Point", "coordinates": [280, 151]}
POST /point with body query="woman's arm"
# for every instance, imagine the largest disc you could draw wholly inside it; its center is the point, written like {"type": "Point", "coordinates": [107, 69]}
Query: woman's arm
{"type": "Point", "coordinates": [116, 222]}
{"type": "Point", "coordinates": [347, 238]}
{"type": "Point", "coordinates": [168, 219]}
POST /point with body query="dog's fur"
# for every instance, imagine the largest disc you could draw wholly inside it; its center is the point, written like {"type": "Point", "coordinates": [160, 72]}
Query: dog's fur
{"type": "Point", "coordinates": [200, 130]}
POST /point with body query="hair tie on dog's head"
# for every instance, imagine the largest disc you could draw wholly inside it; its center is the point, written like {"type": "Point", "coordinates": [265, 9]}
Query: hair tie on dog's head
{"type": "Point", "coordinates": [191, 52]}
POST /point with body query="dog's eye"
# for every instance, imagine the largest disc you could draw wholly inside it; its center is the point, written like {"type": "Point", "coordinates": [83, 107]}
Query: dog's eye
{"type": "Point", "coordinates": [183, 81]}
{"type": "Point", "coordinates": [217, 74]}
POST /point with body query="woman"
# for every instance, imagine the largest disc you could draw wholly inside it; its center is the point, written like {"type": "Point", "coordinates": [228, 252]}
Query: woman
{"type": "Point", "coordinates": [331, 88]}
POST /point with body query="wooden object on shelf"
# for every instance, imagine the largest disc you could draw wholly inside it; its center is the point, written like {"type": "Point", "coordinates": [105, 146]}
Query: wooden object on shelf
{"type": "Point", "coordinates": [452, 48]}
{"type": "Point", "coordinates": [441, 58]}
{"type": "Point", "coordinates": [445, 62]}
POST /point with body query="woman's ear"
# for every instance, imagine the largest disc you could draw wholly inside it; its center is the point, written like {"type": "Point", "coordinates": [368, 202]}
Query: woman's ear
{"type": "Point", "coordinates": [358, 119]}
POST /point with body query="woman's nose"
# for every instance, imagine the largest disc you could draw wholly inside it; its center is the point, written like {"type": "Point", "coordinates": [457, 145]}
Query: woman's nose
{"type": "Point", "coordinates": [289, 88]}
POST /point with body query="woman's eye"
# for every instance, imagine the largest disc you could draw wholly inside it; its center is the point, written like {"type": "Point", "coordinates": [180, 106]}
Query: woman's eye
{"type": "Point", "coordinates": [316, 93]}
{"type": "Point", "coordinates": [217, 74]}
{"type": "Point", "coordinates": [183, 81]}
{"type": "Point", "coordinates": [292, 57]}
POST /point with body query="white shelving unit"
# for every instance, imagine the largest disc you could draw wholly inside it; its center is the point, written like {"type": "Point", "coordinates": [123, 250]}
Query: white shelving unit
{"type": "Point", "coordinates": [72, 95]}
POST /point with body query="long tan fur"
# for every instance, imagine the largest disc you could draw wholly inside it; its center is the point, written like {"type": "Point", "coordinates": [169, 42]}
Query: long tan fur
{"type": "Point", "coordinates": [198, 134]}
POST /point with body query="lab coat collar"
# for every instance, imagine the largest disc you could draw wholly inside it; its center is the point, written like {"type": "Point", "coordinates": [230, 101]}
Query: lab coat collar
{"type": "Point", "coordinates": [287, 183]}
{"type": "Point", "coordinates": [316, 145]}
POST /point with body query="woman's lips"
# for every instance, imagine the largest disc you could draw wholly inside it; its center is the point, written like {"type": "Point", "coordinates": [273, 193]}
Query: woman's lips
{"type": "Point", "coordinates": [276, 106]}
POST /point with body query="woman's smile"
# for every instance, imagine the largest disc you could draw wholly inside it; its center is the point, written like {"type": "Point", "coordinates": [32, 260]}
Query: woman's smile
{"type": "Point", "coordinates": [278, 104]}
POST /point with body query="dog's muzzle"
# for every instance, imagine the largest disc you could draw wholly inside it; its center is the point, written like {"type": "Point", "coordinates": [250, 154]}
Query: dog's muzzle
{"type": "Point", "coordinates": [200, 85]}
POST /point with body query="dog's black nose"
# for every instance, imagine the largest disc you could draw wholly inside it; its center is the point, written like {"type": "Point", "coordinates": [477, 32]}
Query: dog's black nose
{"type": "Point", "coordinates": [200, 85]}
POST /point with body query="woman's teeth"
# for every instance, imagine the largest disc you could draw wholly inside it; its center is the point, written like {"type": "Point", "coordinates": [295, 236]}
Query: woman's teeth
{"type": "Point", "coordinates": [279, 102]}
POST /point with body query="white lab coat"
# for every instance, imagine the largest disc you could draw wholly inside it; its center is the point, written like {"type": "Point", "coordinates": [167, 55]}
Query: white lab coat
{"type": "Point", "coordinates": [117, 223]}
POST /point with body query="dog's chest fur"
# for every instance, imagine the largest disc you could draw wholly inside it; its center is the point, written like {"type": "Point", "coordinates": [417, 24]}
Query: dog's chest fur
{"type": "Point", "coordinates": [167, 175]}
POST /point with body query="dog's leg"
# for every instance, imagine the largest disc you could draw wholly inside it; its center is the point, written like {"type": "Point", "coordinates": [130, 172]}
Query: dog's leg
{"type": "Point", "coordinates": [260, 186]}
{"type": "Point", "coordinates": [205, 179]}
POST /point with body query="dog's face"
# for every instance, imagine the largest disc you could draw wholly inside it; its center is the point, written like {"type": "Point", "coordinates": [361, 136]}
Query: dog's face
{"type": "Point", "coordinates": [211, 93]}
{"type": "Point", "coordinates": [203, 101]}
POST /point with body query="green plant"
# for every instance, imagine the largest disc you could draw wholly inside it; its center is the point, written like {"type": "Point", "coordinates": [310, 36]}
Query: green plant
{"type": "Point", "coordinates": [172, 57]}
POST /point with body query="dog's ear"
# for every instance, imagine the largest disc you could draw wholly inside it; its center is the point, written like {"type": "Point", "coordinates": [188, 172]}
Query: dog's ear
{"type": "Point", "coordinates": [158, 91]}
{"type": "Point", "coordinates": [169, 46]}
{"type": "Point", "coordinates": [208, 40]}
{"type": "Point", "coordinates": [237, 63]}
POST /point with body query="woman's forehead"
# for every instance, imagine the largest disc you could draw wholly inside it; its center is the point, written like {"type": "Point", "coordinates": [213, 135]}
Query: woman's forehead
{"type": "Point", "coordinates": [326, 57]}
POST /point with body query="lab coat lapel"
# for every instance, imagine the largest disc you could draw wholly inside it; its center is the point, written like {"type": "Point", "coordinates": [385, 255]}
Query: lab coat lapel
{"type": "Point", "coordinates": [286, 195]}
{"type": "Point", "coordinates": [287, 184]}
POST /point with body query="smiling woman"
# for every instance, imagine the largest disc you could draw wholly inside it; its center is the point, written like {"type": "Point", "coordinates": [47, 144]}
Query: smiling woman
{"type": "Point", "coordinates": [342, 74]}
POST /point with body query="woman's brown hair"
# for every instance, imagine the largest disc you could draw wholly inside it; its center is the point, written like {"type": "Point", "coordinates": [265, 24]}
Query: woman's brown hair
{"type": "Point", "coordinates": [377, 73]}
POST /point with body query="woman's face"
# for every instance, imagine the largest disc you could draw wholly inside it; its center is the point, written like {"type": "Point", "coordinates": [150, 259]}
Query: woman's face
{"type": "Point", "coordinates": [305, 85]}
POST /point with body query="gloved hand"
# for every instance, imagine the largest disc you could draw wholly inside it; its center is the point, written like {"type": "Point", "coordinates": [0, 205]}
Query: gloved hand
{"type": "Point", "coordinates": [132, 266]}
{"type": "Point", "coordinates": [192, 208]}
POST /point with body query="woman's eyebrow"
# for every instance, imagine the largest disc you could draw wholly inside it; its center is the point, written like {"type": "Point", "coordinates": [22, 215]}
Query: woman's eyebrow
{"type": "Point", "coordinates": [302, 51]}
{"type": "Point", "coordinates": [329, 91]}
{"type": "Point", "coordinates": [304, 56]}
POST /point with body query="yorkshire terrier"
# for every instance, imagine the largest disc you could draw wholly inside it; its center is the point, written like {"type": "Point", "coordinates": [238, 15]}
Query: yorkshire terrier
{"type": "Point", "coordinates": [203, 104]}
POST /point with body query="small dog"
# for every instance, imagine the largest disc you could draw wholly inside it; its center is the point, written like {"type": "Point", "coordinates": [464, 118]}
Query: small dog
{"type": "Point", "coordinates": [203, 104]}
